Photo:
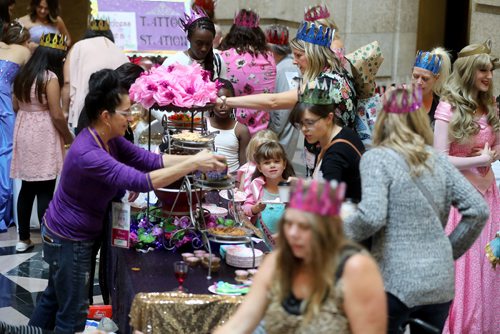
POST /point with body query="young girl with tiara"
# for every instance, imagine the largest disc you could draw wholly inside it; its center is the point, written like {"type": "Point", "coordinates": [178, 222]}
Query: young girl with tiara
{"type": "Point", "coordinates": [40, 132]}
{"type": "Point", "coordinates": [245, 172]}
{"type": "Point", "coordinates": [262, 200]}
{"type": "Point", "coordinates": [233, 137]}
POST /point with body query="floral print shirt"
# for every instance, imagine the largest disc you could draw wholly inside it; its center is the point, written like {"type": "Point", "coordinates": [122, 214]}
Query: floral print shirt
{"type": "Point", "coordinates": [251, 75]}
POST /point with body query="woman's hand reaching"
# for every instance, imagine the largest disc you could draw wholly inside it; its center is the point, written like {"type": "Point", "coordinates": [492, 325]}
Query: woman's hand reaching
{"type": "Point", "coordinates": [208, 161]}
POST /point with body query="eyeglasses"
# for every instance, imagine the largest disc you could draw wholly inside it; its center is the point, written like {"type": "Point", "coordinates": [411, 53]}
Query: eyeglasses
{"type": "Point", "coordinates": [125, 113]}
{"type": "Point", "coordinates": [308, 123]}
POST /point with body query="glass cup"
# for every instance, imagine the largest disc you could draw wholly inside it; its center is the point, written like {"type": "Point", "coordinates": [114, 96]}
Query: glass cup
{"type": "Point", "coordinates": [284, 191]}
{"type": "Point", "coordinates": [181, 270]}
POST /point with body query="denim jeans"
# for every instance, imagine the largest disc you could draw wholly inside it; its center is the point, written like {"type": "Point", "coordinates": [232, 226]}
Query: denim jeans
{"type": "Point", "coordinates": [64, 304]}
{"type": "Point", "coordinates": [399, 314]}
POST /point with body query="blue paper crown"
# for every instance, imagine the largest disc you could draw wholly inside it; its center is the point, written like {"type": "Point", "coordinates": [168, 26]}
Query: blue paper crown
{"type": "Point", "coordinates": [428, 61]}
{"type": "Point", "coordinates": [315, 34]}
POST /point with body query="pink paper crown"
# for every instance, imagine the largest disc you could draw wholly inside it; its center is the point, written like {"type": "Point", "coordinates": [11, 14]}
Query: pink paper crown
{"type": "Point", "coordinates": [196, 14]}
{"type": "Point", "coordinates": [317, 12]}
{"type": "Point", "coordinates": [319, 197]}
{"type": "Point", "coordinates": [247, 19]}
{"type": "Point", "coordinates": [403, 99]}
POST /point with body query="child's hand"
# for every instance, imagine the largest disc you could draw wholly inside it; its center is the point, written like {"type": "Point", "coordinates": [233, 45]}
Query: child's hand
{"type": "Point", "coordinates": [259, 207]}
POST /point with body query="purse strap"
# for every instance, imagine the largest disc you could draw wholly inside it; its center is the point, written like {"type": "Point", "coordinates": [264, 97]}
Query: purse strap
{"type": "Point", "coordinates": [423, 189]}
{"type": "Point", "coordinates": [322, 153]}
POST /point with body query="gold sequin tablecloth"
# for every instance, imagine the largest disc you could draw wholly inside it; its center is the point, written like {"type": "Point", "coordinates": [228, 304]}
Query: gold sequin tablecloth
{"type": "Point", "coordinates": [171, 312]}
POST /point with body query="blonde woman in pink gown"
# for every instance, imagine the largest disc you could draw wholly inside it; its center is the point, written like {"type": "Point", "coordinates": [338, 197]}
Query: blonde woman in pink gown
{"type": "Point", "coordinates": [467, 128]}
{"type": "Point", "coordinates": [251, 67]}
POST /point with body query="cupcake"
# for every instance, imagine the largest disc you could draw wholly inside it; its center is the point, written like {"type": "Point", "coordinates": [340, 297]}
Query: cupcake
{"type": "Point", "coordinates": [241, 275]}
{"type": "Point", "coordinates": [186, 256]}
{"type": "Point", "coordinates": [252, 272]}
{"type": "Point", "coordinates": [192, 261]}
{"type": "Point", "coordinates": [215, 263]}
{"type": "Point", "coordinates": [199, 253]}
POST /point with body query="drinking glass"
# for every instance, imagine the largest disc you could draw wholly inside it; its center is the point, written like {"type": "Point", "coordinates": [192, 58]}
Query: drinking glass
{"type": "Point", "coordinates": [181, 271]}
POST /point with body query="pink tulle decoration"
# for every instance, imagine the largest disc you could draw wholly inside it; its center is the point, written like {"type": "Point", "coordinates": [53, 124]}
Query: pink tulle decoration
{"type": "Point", "coordinates": [184, 86]}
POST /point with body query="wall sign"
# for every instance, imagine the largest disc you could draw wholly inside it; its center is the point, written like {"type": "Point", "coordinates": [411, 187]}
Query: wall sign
{"type": "Point", "coordinates": [145, 26]}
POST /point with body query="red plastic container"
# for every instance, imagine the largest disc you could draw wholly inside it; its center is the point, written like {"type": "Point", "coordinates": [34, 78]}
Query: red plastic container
{"type": "Point", "coordinates": [97, 312]}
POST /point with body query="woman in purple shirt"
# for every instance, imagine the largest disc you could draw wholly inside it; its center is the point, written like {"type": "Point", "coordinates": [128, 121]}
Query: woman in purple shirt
{"type": "Point", "coordinates": [99, 165]}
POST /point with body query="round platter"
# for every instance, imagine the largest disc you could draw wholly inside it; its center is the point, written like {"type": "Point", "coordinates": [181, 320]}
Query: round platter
{"type": "Point", "coordinates": [223, 184]}
{"type": "Point", "coordinates": [190, 146]}
{"type": "Point", "coordinates": [228, 237]}
{"type": "Point", "coordinates": [239, 196]}
{"type": "Point", "coordinates": [228, 242]}
{"type": "Point", "coordinates": [212, 289]}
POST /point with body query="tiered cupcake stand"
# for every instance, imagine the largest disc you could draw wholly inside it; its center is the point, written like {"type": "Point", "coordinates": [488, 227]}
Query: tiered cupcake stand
{"type": "Point", "coordinates": [194, 187]}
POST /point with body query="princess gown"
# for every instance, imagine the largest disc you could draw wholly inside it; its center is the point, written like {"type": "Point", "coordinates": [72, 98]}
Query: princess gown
{"type": "Point", "coordinates": [8, 71]}
{"type": "Point", "coordinates": [476, 306]}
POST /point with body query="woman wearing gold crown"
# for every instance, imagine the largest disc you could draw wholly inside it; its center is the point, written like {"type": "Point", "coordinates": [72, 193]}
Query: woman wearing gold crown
{"type": "Point", "coordinates": [468, 130]}
{"type": "Point", "coordinates": [13, 54]}
{"type": "Point", "coordinates": [407, 192]}
{"type": "Point", "coordinates": [44, 18]}
{"type": "Point", "coordinates": [40, 132]}
{"type": "Point", "coordinates": [315, 281]}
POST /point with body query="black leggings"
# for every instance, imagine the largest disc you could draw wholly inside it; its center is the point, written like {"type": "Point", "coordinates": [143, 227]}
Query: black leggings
{"type": "Point", "coordinates": [43, 190]}
{"type": "Point", "coordinates": [399, 314]}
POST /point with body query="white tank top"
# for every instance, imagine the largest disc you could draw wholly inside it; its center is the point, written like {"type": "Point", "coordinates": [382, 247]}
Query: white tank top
{"type": "Point", "coordinates": [227, 144]}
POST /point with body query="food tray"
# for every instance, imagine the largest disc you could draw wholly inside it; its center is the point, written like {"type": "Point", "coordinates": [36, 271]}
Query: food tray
{"type": "Point", "coordinates": [247, 231]}
{"type": "Point", "coordinates": [223, 184]}
{"type": "Point", "coordinates": [229, 242]}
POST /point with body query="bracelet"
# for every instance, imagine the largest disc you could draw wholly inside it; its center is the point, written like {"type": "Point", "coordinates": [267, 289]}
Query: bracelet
{"type": "Point", "coordinates": [224, 101]}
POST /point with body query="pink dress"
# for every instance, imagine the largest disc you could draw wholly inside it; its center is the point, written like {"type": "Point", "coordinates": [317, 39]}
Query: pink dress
{"type": "Point", "coordinates": [476, 306]}
{"type": "Point", "coordinates": [38, 151]}
{"type": "Point", "coordinates": [251, 75]}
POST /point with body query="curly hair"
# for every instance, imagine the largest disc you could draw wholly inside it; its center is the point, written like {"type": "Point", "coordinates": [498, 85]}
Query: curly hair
{"type": "Point", "coordinates": [459, 90]}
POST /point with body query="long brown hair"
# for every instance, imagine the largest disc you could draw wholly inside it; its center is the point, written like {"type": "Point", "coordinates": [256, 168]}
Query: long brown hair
{"type": "Point", "coordinates": [327, 242]}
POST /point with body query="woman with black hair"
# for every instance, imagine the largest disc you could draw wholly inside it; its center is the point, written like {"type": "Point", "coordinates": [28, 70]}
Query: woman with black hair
{"type": "Point", "coordinates": [200, 34]}
{"type": "Point", "coordinates": [251, 67]}
{"type": "Point", "coordinates": [13, 54]}
{"type": "Point", "coordinates": [40, 132]}
{"type": "Point", "coordinates": [43, 18]}
{"type": "Point", "coordinates": [99, 165]}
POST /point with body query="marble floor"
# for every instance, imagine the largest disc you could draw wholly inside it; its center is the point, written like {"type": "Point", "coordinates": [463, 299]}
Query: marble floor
{"type": "Point", "coordinates": [23, 277]}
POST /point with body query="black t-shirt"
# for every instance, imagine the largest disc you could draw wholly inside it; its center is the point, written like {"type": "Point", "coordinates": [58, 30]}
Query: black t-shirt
{"type": "Point", "coordinates": [341, 163]}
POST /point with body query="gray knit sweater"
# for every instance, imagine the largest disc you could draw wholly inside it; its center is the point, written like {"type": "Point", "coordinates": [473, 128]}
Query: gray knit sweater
{"type": "Point", "coordinates": [409, 244]}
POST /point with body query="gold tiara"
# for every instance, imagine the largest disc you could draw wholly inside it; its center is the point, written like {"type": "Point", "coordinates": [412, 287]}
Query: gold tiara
{"type": "Point", "coordinates": [55, 41]}
{"type": "Point", "coordinates": [481, 48]}
{"type": "Point", "coordinates": [99, 25]}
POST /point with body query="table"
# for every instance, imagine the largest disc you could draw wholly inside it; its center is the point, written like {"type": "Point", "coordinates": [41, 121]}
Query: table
{"type": "Point", "coordinates": [146, 277]}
